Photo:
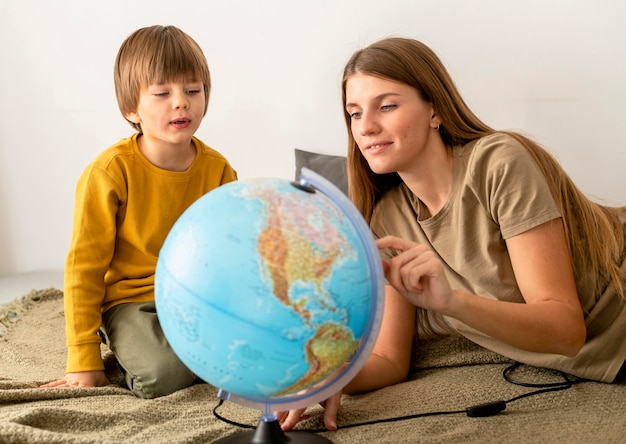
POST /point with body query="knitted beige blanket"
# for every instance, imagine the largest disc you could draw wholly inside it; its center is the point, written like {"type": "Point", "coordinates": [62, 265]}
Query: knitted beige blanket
{"type": "Point", "coordinates": [450, 374]}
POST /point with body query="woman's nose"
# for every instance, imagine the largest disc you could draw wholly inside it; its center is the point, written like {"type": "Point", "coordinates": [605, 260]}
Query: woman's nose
{"type": "Point", "coordinates": [368, 124]}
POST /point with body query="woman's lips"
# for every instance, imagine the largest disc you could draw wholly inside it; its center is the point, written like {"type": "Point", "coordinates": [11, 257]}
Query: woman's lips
{"type": "Point", "coordinates": [374, 148]}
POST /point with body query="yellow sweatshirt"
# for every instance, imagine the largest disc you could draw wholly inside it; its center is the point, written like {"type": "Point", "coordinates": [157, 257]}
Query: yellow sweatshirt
{"type": "Point", "coordinates": [124, 209]}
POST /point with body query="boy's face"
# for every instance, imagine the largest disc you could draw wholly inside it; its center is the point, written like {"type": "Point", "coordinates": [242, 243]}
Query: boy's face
{"type": "Point", "coordinates": [170, 113]}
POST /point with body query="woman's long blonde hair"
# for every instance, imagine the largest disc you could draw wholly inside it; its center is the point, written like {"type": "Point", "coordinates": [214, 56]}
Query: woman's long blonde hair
{"type": "Point", "coordinates": [595, 235]}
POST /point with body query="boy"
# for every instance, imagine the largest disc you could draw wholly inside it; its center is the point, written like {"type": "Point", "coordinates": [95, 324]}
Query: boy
{"type": "Point", "coordinates": [126, 202]}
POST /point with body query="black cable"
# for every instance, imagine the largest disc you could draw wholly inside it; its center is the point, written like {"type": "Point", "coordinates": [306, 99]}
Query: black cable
{"type": "Point", "coordinates": [228, 421]}
{"type": "Point", "coordinates": [566, 378]}
{"type": "Point", "coordinates": [544, 387]}
{"type": "Point", "coordinates": [481, 410]}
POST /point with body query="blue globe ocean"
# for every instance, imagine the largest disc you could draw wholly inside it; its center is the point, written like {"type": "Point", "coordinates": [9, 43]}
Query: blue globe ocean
{"type": "Point", "coordinates": [264, 289]}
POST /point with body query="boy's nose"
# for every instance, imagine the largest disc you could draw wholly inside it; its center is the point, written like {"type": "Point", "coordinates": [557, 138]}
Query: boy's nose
{"type": "Point", "coordinates": [181, 101]}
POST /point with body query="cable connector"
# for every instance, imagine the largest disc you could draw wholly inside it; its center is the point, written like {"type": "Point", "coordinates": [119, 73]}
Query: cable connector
{"type": "Point", "coordinates": [488, 409]}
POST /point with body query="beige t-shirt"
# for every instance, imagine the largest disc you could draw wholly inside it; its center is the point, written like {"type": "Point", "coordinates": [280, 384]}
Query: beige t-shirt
{"type": "Point", "coordinates": [497, 193]}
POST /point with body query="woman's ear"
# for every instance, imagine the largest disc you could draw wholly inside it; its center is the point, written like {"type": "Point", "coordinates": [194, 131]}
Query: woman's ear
{"type": "Point", "coordinates": [435, 121]}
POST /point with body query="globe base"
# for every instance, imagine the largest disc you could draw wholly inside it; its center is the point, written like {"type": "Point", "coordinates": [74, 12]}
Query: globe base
{"type": "Point", "coordinates": [269, 432]}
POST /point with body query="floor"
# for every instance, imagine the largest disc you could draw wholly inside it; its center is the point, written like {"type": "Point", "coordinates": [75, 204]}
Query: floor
{"type": "Point", "coordinates": [16, 285]}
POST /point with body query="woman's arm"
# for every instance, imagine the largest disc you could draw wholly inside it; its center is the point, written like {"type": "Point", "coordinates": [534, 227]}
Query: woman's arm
{"type": "Point", "coordinates": [551, 320]}
{"type": "Point", "coordinates": [390, 359]}
{"type": "Point", "coordinates": [388, 363]}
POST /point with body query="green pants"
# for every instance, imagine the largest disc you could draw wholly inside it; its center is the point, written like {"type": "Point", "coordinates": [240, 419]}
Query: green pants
{"type": "Point", "coordinates": [150, 366]}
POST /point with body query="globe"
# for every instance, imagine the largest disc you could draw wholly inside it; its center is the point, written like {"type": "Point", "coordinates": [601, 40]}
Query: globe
{"type": "Point", "coordinates": [271, 290]}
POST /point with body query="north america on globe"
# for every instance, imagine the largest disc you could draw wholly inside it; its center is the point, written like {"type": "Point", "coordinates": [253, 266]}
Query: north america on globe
{"type": "Point", "coordinates": [319, 246]}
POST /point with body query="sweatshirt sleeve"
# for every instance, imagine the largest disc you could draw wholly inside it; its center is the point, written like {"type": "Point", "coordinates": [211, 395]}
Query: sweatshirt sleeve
{"type": "Point", "coordinates": [98, 199]}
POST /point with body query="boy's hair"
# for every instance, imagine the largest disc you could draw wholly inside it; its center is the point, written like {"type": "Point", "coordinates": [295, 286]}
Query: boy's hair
{"type": "Point", "coordinates": [155, 55]}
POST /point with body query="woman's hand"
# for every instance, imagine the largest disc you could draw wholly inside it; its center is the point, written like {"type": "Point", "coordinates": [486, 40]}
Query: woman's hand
{"type": "Point", "coordinates": [289, 419]}
{"type": "Point", "coordinates": [95, 378]}
{"type": "Point", "coordinates": [417, 274]}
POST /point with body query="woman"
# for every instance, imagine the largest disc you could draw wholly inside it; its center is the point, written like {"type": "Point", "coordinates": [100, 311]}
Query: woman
{"type": "Point", "coordinates": [482, 233]}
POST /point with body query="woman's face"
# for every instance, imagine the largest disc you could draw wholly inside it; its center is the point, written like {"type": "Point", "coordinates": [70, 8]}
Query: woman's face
{"type": "Point", "coordinates": [392, 125]}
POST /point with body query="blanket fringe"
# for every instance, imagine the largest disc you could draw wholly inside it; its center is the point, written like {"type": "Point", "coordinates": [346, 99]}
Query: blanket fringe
{"type": "Point", "coordinates": [12, 311]}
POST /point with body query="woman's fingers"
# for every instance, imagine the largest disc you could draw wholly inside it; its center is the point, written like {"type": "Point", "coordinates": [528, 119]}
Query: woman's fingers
{"type": "Point", "coordinates": [292, 418]}
{"type": "Point", "coordinates": [288, 420]}
{"type": "Point", "coordinates": [404, 271]}
{"type": "Point", "coordinates": [417, 273]}
{"type": "Point", "coordinates": [331, 406]}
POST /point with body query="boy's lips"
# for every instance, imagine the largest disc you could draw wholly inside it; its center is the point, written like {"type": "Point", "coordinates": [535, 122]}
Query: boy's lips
{"type": "Point", "coordinates": [180, 123]}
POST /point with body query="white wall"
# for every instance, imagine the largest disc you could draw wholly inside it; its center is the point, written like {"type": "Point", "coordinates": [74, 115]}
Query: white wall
{"type": "Point", "coordinates": [555, 69]}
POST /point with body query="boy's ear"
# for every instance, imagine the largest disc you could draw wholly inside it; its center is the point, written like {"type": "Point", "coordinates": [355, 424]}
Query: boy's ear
{"type": "Point", "coordinates": [133, 116]}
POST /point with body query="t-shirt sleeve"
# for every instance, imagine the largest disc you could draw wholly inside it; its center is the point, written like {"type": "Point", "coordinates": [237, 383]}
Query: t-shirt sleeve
{"type": "Point", "coordinates": [511, 186]}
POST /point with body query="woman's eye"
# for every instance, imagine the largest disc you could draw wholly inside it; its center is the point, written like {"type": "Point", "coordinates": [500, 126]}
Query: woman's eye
{"type": "Point", "coordinates": [355, 115]}
{"type": "Point", "coordinates": [387, 107]}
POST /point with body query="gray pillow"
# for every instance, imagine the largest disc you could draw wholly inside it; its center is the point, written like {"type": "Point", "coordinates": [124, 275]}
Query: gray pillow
{"type": "Point", "coordinates": [328, 166]}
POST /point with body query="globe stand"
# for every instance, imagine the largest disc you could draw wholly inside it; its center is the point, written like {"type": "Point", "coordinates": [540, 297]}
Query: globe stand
{"type": "Point", "coordinates": [188, 288]}
{"type": "Point", "coordinates": [268, 431]}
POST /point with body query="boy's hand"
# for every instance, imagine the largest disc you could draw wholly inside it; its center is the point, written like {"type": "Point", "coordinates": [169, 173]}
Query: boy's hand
{"type": "Point", "coordinates": [95, 378]}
